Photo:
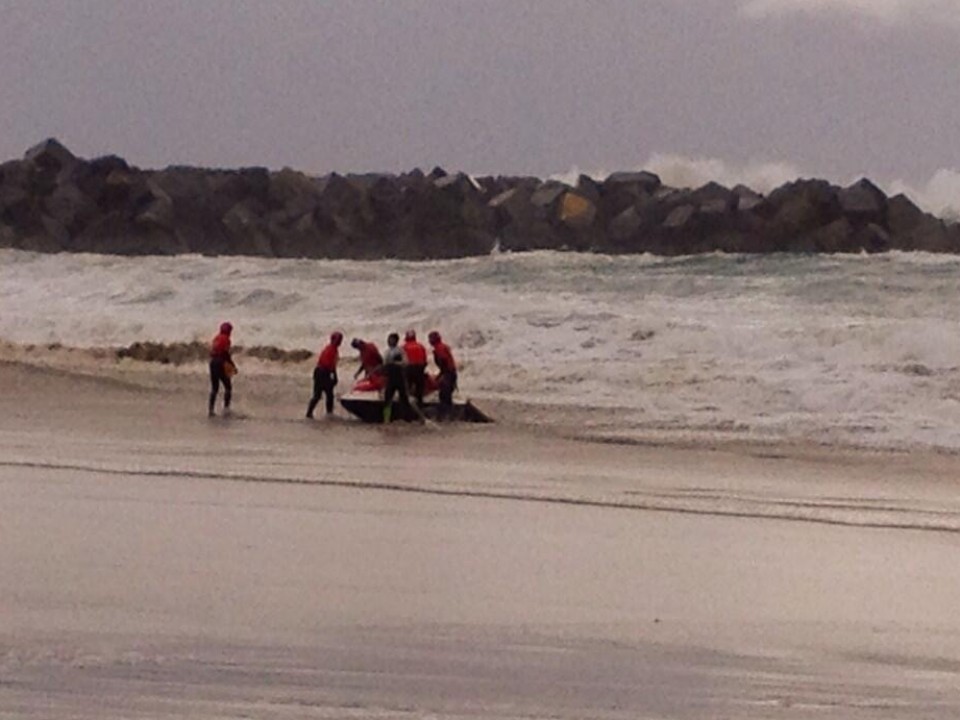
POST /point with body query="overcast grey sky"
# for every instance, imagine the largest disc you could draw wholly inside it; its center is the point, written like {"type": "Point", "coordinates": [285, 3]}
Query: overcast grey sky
{"type": "Point", "coordinates": [829, 88]}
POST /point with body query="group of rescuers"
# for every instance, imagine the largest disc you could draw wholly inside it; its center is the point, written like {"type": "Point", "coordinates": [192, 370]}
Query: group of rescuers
{"type": "Point", "coordinates": [403, 367]}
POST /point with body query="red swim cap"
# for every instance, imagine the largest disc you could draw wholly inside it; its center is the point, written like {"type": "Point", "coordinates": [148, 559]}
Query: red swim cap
{"type": "Point", "coordinates": [226, 328]}
{"type": "Point", "coordinates": [433, 337]}
{"type": "Point", "coordinates": [336, 338]}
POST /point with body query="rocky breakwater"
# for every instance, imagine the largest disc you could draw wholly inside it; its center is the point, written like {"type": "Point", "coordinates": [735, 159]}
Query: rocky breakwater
{"type": "Point", "coordinates": [53, 201]}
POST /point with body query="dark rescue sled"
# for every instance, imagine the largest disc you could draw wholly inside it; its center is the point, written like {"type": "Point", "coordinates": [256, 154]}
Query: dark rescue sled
{"type": "Point", "coordinates": [370, 410]}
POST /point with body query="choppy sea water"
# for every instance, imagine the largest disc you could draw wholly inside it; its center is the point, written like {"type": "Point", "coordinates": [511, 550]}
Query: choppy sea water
{"type": "Point", "coordinates": [833, 349]}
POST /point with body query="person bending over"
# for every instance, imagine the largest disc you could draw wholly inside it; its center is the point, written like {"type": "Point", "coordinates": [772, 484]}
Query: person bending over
{"type": "Point", "coordinates": [370, 357]}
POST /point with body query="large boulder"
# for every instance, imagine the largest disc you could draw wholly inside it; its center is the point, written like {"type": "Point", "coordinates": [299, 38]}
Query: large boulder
{"type": "Point", "coordinates": [546, 199]}
{"type": "Point", "coordinates": [796, 210]}
{"type": "Point", "coordinates": [158, 211]}
{"type": "Point", "coordinates": [715, 195]}
{"type": "Point", "coordinates": [680, 219]}
{"type": "Point", "coordinates": [244, 222]}
{"type": "Point", "coordinates": [576, 211]}
{"type": "Point", "coordinates": [626, 226]}
{"type": "Point", "coordinates": [50, 156]}
{"type": "Point", "coordinates": [389, 200]}
{"type": "Point", "coordinates": [70, 208]}
{"type": "Point", "coordinates": [621, 190]}
{"type": "Point", "coordinates": [903, 217]}
{"type": "Point", "coordinates": [642, 180]}
{"type": "Point", "coordinates": [589, 188]}
{"type": "Point", "coordinates": [117, 233]}
{"type": "Point", "coordinates": [932, 235]}
{"type": "Point", "coordinates": [747, 199]}
{"type": "Point", "coordinates": [837, 236]}
{"type": "Point", "coordinates": [872, 238]}
{"type": "Point", "coordinates": [863, 202]}
{"type": "Point", "coordinates": [464, 192]}
{"type": "Point", "coordinates": [291, 195]}
{"type": "Point", "coordinates": [513, 207]}
{"type": "Point", "coordinates": [17, 208]}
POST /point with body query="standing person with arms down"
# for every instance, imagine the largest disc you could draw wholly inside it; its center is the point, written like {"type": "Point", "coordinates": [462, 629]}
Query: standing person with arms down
{"type": "Point", "coordinates": [394, 368]}
{"type": "Point", "coordinates": [222, 369]}
{"type": "Point", "coordinates": [370, 358]}
{"type": "Point", "coordinates": [447, 380]}
{"type": "Point", "coordinates": [325, 374]}
{"type": "Point", "coordinates": [416, 365]}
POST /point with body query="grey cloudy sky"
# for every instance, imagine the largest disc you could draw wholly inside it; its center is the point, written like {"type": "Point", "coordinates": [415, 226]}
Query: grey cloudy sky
{"type": "Point", "coordinates": [828, 88]}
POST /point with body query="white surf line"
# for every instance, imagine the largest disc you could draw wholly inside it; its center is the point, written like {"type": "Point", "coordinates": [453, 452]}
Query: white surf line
{"type": "Point", "coordinates": [806, 514]}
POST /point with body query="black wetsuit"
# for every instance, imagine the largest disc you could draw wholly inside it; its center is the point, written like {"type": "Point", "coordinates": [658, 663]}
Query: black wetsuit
{"type": "Point", "coordinates": [416, 379]}
{"type": "Point", "coordinates": [218, 376]}
{"type": "Point", "coordinates": [393, 366]}
{"type": "Point", "coordinates": [447, 383]}
{"type": "Point", "coordinates": [323, 382]}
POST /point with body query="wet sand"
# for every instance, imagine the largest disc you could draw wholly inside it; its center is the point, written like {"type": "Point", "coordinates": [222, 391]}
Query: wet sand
{"type": "Point", "coordinates": [159, 564]}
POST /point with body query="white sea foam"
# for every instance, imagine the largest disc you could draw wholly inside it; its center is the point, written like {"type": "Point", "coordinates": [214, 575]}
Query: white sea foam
{"type": "Point", "coordinates": [830, 348]}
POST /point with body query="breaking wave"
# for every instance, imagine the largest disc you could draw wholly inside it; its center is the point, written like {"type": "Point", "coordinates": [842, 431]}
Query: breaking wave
{"type": "Point", "coordinates": [830, 349]}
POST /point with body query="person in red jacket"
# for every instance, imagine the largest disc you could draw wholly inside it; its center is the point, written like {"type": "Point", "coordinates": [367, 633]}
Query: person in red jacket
{"type": "Point", "coordinates": [416, 365]}
{"type": "Point", "coordinates": [371, 360]}
{"type": "Point", "coordinates": [447, 380]}
{"type": "Point", "coordinates": [221, 369]}
{"type": "Point", "coordinates": [325, 374]}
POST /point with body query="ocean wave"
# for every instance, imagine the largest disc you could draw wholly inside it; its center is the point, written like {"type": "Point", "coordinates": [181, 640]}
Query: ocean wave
{"type": "Point", "coordinates": [834, 349]}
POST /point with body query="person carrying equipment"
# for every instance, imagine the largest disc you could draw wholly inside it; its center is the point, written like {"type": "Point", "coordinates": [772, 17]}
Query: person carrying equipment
{"type": "Point", "coordinates": [447, 380]}
{"type": "Point", "coordinates": [221, 369]}
{"type": "Point", "coordinates": [370, 357]}
{"type": "Point", "coordinates": [325, 374]}
{"type": "Point", "coordinates": [394, 368]}
{"type": "Point", "coordinates": [416, 366]}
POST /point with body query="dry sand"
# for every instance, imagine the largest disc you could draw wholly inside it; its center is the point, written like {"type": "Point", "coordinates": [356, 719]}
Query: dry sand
{"type": "Point", "coordinates": [154, 563]}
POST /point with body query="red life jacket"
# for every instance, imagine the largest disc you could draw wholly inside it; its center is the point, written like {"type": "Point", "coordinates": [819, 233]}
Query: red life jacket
{"type": "Point", "coordinates": [328, 358]}
{"type": "Point", "coordinates": [370, 357]}
{"type": "Point", "coordinates": [220, 347]}
{"type": "Point", "coordinates": [415, 352]}
{"type": "Point", "coordinates": [444, 358]}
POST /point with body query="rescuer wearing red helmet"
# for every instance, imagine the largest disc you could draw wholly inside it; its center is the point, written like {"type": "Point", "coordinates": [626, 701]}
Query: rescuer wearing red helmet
{"type": "Point", "coordinates": [325, 374]}
{"type": "Point", "coordinates": [416, 365]}
{"type": "Point", "coordinates": [221, 369]}
{"type": "Point", "coordinates": [447, 380]}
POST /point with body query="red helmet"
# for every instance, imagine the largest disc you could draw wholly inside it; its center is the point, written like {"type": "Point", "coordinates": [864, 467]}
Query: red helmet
{"type": "Point", "coordinates": [336, 338]}
{"type": "Point", "coordinates": [226, 328]}
{"type": "Point", "coordinates": [433, 337]}
{"type": "Point", "coordinates": [410, 335]}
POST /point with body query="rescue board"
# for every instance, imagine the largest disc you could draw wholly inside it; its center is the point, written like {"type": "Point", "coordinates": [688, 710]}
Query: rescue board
{"type": "Point", "coordinates": [370, 410]}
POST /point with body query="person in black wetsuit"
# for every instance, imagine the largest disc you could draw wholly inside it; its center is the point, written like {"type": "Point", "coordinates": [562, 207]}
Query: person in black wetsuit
{"type": "Point", "coordinates": [221, 369]}
{"type": "Point", "coordinates": [325, 374]}
{"type": "Point", "coordinates": [416, 366]}
{"type": "Point", "coordinates": [394, 368]}
{"type": "Point", "coordinates": [443, 357]}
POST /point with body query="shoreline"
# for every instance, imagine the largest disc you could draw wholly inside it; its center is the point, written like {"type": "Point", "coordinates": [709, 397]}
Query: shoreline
{"type": "Point", "coordinates": [273, 372]}
{"type": "Point", "coordinates": [158, 411]}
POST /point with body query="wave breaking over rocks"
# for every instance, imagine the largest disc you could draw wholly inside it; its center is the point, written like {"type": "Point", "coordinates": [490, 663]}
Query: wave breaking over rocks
{"type": "Point", "coordinates": [53, 201]}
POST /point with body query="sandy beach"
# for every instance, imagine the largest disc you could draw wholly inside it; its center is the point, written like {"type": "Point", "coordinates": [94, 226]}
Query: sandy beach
{"type": "Point", "coordinates": [159, 564]}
